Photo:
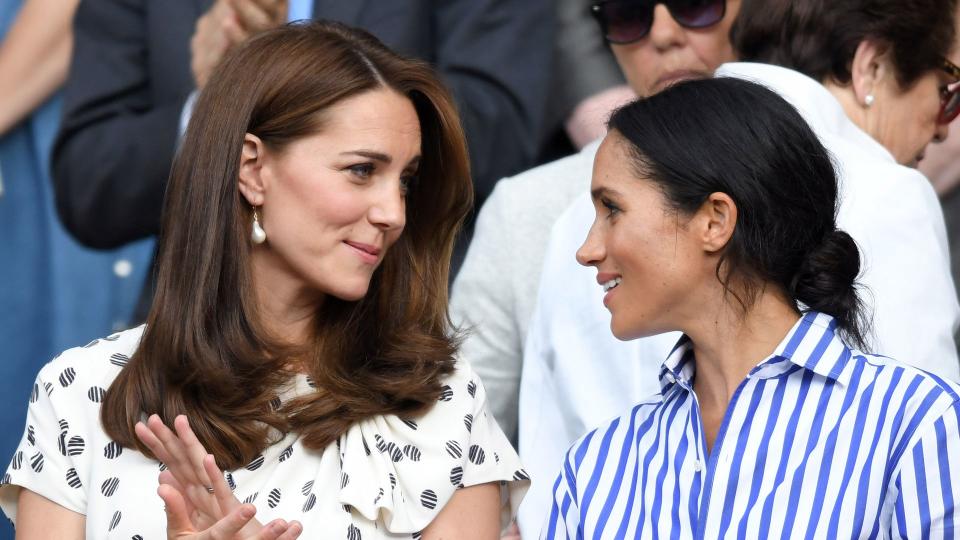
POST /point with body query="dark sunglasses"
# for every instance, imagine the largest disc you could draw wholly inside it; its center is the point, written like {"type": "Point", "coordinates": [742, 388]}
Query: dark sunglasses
{"type": "Point", "coordinates": [950, 97]}
{"type": "Point", "coordinates": [626, 21]}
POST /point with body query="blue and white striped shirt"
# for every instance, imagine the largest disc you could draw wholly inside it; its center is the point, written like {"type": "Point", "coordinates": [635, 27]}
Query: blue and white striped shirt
{"type": "Point", "coordinates": [819, 441]}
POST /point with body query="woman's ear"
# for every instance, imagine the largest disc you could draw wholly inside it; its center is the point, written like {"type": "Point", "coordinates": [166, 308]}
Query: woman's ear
{"type": "Point", "coordinates": [250, 180]}
{"type": "Point", "coordinates": [719, 219]}
{"type": "Point", "coordinates": [869, 71]}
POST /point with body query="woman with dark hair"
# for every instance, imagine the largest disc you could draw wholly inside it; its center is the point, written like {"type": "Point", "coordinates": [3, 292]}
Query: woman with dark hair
{"type": "Point", "coordinates": [715, 215]}
{"type": "Point", "coordinates": [299, 323]}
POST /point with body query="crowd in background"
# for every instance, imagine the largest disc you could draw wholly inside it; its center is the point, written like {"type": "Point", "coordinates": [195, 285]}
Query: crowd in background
{"type": "Point", "coordinates": [95, 97]}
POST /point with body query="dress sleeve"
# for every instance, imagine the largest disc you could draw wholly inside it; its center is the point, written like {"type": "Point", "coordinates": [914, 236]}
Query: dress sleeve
{"type": "Point", "coordinates": [43, 462]}
{"type": "Point", "coordinates": [403, 471]}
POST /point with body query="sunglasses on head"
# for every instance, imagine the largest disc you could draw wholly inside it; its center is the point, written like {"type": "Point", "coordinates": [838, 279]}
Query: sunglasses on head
{"type": "Point", "coordinates": [950, 97]}
{"type": "Point", "coordinates": [626, 21]}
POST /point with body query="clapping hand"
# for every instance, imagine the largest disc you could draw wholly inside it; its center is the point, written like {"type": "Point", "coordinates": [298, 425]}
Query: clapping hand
{"type": "Point", "coordinates": [199, 503]}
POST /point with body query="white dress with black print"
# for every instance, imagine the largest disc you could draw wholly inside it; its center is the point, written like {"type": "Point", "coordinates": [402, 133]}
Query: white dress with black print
{"type": "Point", "coordinates": [386, 477]}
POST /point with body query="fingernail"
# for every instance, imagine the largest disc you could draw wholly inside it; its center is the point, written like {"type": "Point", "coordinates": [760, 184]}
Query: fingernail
{"type": "Point", "coordinates": [247, 512]}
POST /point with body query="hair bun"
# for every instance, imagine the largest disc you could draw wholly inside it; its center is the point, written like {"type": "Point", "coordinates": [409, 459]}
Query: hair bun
{"type": "Point", "coordinates": [826, 280]}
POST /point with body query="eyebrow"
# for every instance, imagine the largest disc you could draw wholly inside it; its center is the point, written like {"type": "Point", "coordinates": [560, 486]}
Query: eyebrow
{"type": "Point", "coordinates": [381, 157]}
{"type": "Point", "coordinates": [601, 191]}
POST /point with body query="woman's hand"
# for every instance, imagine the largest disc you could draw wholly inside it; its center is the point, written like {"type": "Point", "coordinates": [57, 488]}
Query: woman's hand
{"type": "Point", "coordinates": [230, 527]}
{"type": "Point", "coordinates": [195, 485]}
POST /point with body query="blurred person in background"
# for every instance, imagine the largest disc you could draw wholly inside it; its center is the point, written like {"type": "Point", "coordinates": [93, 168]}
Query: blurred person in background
{"type": "Point", "coordinates": [137, 63]}
{"type": "Point", "coordinates": [941, 164]}
{"type": "Point", "coordinates": [55, 293]}
{"type": "Point", "coordinates": [869, 77]}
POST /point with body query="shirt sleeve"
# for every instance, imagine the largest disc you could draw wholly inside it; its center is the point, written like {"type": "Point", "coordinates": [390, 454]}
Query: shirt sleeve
{"type": "Point", "coordinates": [564, 518]}
{"type": "Point", "coordinates": [43, 461]}
{"type": "Point", "coordinates": [927, 485]}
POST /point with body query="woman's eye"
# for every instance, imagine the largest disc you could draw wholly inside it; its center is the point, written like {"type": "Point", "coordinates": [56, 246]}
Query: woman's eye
{"type": "Point", "coordinates": [611, 208]}
{"type": "Point", "coordinates": [362, 170]}
{"type": "Point", "coordinates": [407, 182]}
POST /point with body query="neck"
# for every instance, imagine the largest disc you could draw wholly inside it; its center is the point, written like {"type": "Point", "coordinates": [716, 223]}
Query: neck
{"type": "Point", "coordinates": [857, 113]}
{"type": "Point", "coordinates": [731, 343]}
{"type": "Point", "coordinates": [287, 307]}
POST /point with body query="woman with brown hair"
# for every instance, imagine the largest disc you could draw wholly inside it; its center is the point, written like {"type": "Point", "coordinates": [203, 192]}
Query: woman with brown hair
{"type": "Point", "coordinates": [299, 323]}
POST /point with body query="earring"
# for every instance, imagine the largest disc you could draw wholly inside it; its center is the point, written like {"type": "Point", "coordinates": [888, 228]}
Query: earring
{"type": "Point", "coordinates": [257, 234]}
{"type": "Point", "coordinates": [868, 100]}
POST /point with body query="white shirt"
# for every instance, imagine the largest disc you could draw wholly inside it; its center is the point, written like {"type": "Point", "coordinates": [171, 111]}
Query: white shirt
{"type": "Point", "coordinates": [576, 374]}
{"type": "Point", "coordinates": [385, 477]}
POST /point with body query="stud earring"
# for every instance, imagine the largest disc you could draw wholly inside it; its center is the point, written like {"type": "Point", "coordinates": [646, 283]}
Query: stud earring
{"type": "Point", "coordinates": [257, 234]}
{"type": "Point", "coordinates": [868, 100]}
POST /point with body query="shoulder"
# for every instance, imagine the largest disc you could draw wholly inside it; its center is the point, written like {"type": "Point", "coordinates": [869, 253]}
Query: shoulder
{"type": "Point", "coordinates": [92, 366]}
{"type": "Point", "coordinates": [921, 397]}
{"type": "Point", "coordinates": [602, 445]}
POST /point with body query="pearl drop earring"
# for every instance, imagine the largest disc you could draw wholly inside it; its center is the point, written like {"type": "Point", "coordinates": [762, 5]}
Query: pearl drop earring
{"type": "Point", "coordinates": [257, 234]}
{"type": "Point", "coordinates": [868, 100]}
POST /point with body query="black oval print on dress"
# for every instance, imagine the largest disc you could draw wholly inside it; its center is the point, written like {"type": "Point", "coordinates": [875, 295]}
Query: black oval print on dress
{"type": "Point", "coordinates": [112, 450]}
{"type": "Point", "coordinates": [446, 393]}
{"type": "Point", "coordinates": [306, 488]}
{"type": "Point", "coordinates": [17, 461]}
{"type": "Point", "coordinates": [285, 455]}
{"type": "Point", "coordinates": [73, 479]}
{"type": "Point", "coordinates": [453, 448]}
{"type": "Point", "coordinates": [118, 359]}
{"type": "Point", "coordinates": [273, 499]}
{"type": "Point", "coordinates": [109, 486]}
{"type": "Point", "coordinates": [75, 446]}
{"type": "Point", "coordinates": [456, 476]}
{"type": "Point", "coordinates": [477, 455]}
{"type": "Point", "coordinates": [255, 464]}
{"type": "Point", "coordinates": [521, 475]}
{"type": "Point", "coordinates": [410, 423]}
{"type": "Point", "coordinates": [353, 533]}
{"type": "Point", "coordinates": [412, 452]}
{"type": "Point", "coordinates": [36, 462]}
{"type": "Point", "coordinates": [468, 421]}
{"type": "Point", "coordinates": [115, 520]}
{"type": "Point", "coordinates": [95, 394]}
{"type": "Point", "coordinates": [311, 500]}
{"type": "Point", "coordinates": [395, 453]}
{"type": "Point", "coordinates": [67, 377]}
{"type": "Point", "coordinates": [428, 499]}
{"type": "Point", "coordinates": [472, 389]}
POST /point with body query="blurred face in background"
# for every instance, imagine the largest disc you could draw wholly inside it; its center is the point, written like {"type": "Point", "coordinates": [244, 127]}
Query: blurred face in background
{"type": "Point", "coordinates": [657, 44]}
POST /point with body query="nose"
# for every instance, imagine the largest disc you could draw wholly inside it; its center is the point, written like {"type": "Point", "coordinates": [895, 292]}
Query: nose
{"type": "Point", "coordinates": [664, 32]}
{"type": "Point", "coordinates": [389, 211]}
{"type": "Point", "coordinates": [592, 252]}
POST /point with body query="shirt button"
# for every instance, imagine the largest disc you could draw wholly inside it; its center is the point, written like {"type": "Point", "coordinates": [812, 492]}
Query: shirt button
{"type": "Point", "coordinates": [122, 268]}
{"type": "Point", "coordinates": [697, 466]}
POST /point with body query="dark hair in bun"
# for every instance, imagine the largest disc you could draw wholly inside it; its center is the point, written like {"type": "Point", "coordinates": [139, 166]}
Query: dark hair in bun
{"type": "Point", "coordinates": [737, 137]}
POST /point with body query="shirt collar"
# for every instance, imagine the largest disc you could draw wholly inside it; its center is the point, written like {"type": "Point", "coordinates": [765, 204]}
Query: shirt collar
{"type": "Point", "coordinates": [812, 344]}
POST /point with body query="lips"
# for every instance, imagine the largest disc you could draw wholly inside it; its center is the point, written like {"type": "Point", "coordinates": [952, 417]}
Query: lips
{"type": "Point", "coordinates": [672, 77]}
{"type": "Point", "coordinates": [367, 252]}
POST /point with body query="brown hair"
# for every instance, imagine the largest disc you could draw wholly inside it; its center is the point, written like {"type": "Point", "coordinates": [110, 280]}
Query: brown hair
{"type": "Point", "coordinates": [820, 37]}
{"type": "Point", "coordinates": [205, 352]}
